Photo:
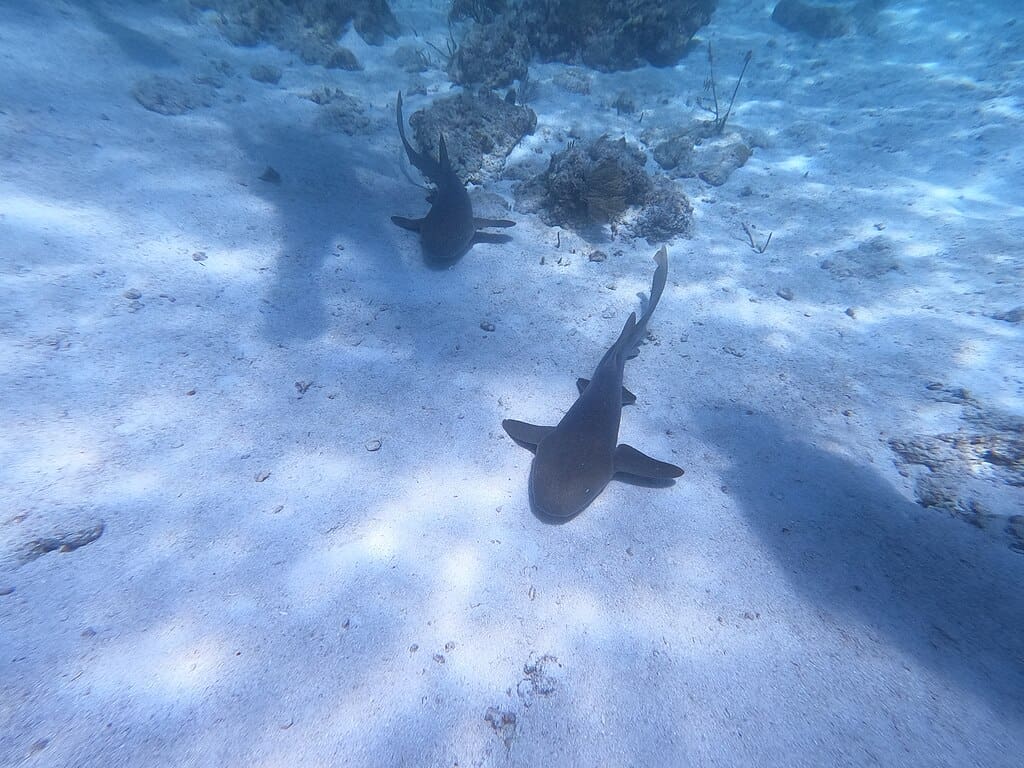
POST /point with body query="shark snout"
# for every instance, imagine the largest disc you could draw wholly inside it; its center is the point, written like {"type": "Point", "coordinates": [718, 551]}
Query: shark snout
{"type": "Point", "coordinates": [560, 496]}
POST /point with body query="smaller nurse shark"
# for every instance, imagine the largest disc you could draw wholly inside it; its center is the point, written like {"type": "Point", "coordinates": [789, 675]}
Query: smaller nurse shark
{"type": "Point", "coordinates": [449, 229]}
{"type": "Point", "coordinates": [576, 459]}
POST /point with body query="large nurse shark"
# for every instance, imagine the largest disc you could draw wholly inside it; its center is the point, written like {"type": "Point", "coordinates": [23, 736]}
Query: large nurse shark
{"type": "Point", "coordinates": [449, 229]}
{"type": "Point", "coordinates": [575, 459]}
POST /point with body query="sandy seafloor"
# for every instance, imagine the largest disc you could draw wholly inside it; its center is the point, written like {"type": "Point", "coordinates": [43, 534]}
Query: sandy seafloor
{"type": "Point", "coordinates": [786, 603]}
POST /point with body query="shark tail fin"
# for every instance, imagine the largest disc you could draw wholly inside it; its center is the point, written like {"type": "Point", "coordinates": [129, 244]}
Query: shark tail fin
{"type": "Point", "coordinates": [423, 163]}
{"type": "Point", "coordinates": [623, 344]}
{"type": "Point", "coordinates": [631, 346]}
{"type": "Point", "coordinates": [442, 154]}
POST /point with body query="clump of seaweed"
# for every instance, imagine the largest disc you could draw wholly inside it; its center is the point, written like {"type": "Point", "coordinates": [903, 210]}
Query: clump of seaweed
{"type": "Point", "coordinates": [587, 185]}
{"type": "Point", "coordinates": [493, 55]}
{"type": "Point", "coordinates": [718, 124]}
{"type": "Point", "coordinates": [480, 11]}
{"type": "Point", "coordinates": [666, 213]}
{"type": "Point", "coordinates": [612, 35]}
{"type": "Point", "coordinates": [608, 35]}
{"type": "Point", "coordinates": [703, 148]}
{"type": "Point", "coordinates": [605, 183]}
{"type": "Point", "coordinates": [480, 130]}
{"type": "Point", "coordinates": [309, 27]}
{"type": "Point", "coordinates": [606, 190]}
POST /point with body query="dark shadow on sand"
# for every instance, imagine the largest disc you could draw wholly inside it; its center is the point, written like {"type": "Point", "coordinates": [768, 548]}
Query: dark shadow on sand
{"type": "Point", "coordinates": [941, 591]}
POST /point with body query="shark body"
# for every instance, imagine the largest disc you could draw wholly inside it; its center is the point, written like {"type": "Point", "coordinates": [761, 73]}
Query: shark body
{"type": "Point", "coordinates": [575, 459]}
{"type": "Point", "coordinates": [449, 229]}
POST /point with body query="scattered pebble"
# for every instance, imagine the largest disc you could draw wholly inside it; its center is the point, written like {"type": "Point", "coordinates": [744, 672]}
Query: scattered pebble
{"type": "Point", "coordinates": [851, 312]}
{"type": "Point", "coordinates": [597, 256]}
{"type": "Point", "coordinates": [6, 591]}
{"type": "Point", "coordinates": [270, 175]}
{"type": "Point", "coordinates": [342, 58]}
{"type": "Point", "coordinates": [449, 646]}
{"type": "Point", "coordinates": [302, 386]}
{"type": "Point", "coordinates": [784, 293]}
{"type": "Point", "coordinates": [62, 541]}
{"type": "Point", "coordinates": [262, 475]}
{"type": "Point", "coordinates": [132, 294]}
{"type": "Point", "coordinates": [411, 58]}
{"type": "Point", "coordinates": [503, 723]}
{"type": "Point", "coordinates": [279, 508]}
{"type": "Point", "coordinates": [265, 73]}
{"type": "Point", "coordinates": [167, 96]}
{"type": "Point", "coordinates": [540, 678]}
{"type": "Point", "coordinates": [199, 256]}
{"type": "Point", "coordinates": [487, 325]}
{"type": "Point", "coordinates": [439, 658]}
{"type": "Point", "coordinates": [88, 632]}
{"type": "Point", "coordinates": [413, 648]}
{"type": "Point", "coordinates": [190, 392]}
{"type": "Point", "coordinates": [373, 445]}
{"type": "Point", "coordinates": [1015, 315]}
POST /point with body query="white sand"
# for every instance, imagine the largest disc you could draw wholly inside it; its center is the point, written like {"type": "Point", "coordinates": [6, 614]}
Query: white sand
{"type": "Point", "coordinates": [786, 603]}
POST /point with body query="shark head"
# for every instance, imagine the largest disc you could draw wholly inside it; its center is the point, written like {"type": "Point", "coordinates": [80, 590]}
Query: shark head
{"type": "Point", "coordinates": [563, 482]}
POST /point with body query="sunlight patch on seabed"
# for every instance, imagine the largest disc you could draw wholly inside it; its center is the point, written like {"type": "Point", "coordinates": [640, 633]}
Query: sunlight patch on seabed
{"type": "Point", "coordinates": [796, 164]}
{"type": "Point", "coordinates": [44, 214]}
{"type": "Point", "coordinates": [583, 610]}
{"type": "Point", "coordinates": [166, 663]}
{"type": "Point", "coordinates": [364, 549]}
{"type": "Point", "coordinates": [391, 533]}
{"type": "Point", "coordinates": [972, 201]}
{"type": "Point", "coordinates": [49, 448]}
{"type": "Point", "coordinates": [975, 353]}
{"type": "Point", "coordinates": [952, 81]}
{"type": "Point", "coordinates": [1002, 106]}
{"type": "Point", "coordinates": [780, 321]}
{"type": "Point", "coordinates": [157, 412]}
{"type": "Point", "coordinates": [460, 570]}
{"type": "Point", "coordinates": [656, 617]}
{"type": "Point", "coordinates": [137, 483]}
{"type": "Point", "coordinates": [236, 263]}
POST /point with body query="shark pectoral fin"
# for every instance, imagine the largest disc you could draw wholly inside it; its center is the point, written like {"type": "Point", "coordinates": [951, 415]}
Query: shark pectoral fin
{"type": "Point", "coordinates": [481, 223]}
{"type": "Point", "coordinates": [629, 460]}
{"type": "Point", "coordinates": [628, 398]}
{"type": "Point", "coordinates": [404, 223]}
{"type": "Point", "coordinates": [490, 237]}
{"type": "Point", "coordinates": [521, 432]}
